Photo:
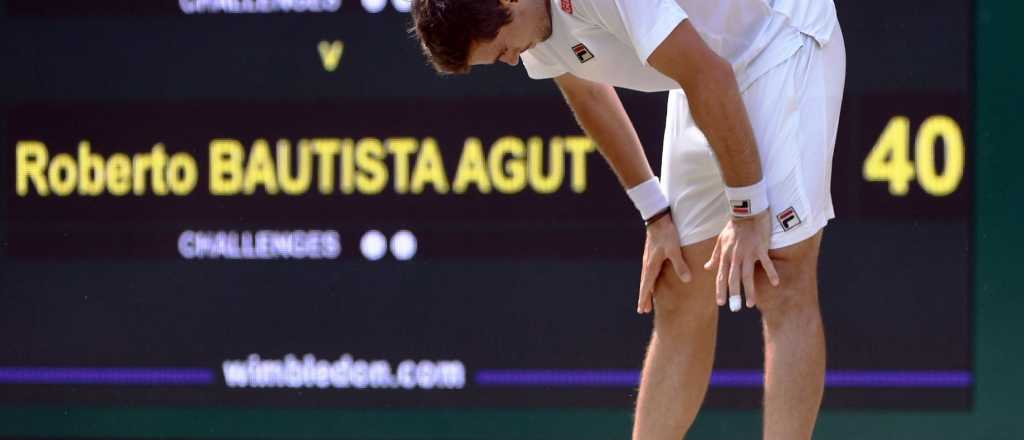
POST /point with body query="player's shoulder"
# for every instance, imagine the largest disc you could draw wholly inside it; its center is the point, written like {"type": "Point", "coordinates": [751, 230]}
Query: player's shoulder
{"type": "Point", "coordinates": [605, 14]}
{"type": "Point", "coordinates": [586, 10]}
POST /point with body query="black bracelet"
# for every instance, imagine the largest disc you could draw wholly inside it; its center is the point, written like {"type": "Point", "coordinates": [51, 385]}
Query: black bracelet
{"type": "Point", "coordinates": [658, 215]}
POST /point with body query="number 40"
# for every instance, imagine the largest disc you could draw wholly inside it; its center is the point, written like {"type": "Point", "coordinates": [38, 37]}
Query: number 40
{"type": "Point", "coordinates": [889, 159]}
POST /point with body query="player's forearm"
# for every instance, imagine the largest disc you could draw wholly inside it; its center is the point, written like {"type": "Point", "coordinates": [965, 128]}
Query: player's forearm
{"type": "Point", "coordinates": [714, 99]}
{"type": "Point", "coordinates": [599, 111]}
{"type": "Point", "coordinates": [720, 113]}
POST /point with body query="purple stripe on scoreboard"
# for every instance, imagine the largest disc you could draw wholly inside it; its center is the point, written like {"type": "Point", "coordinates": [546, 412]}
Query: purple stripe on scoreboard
{"type": "Point", "coordinates": [722, 378]}
{"type": "Point", "coordinates": [492, 378]}
{"type": "Point", "coordinates": [105, 376]}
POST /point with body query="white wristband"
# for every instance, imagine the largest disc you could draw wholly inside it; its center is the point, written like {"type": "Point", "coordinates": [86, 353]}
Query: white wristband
{"type": "Point", "coordinates": [747, 201]}
{"type": "Point", "coordinates": [648, 198]}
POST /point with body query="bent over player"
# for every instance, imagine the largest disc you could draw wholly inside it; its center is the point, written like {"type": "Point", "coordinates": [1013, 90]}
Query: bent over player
{"type": "Point", "coordinates": [755, 92]}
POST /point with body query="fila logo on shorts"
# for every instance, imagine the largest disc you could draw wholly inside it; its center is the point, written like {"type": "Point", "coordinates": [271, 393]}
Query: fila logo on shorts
{"type": "Point", "coordinates": [740, 207]}
{"type": "Point", "coordinates": [788, 219]}
{"type": "Point", "coordinates": [567, 6]}
{"type": "Point", "coordinates": [582, 53]}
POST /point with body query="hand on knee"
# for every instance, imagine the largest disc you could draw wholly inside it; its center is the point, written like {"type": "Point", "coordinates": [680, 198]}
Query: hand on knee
{"type": "Point", "coordinates": [797, 291]}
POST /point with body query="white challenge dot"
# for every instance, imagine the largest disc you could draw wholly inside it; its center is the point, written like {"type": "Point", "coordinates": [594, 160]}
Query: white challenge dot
{"type": "Point", "coordinates": [374, 6]}
{"type": "Point", "coordinates": [402, 5]}
{"type": "Point", "coordinates": [373, 244]}
{"type": "Point", "coordinates": [403, 245]}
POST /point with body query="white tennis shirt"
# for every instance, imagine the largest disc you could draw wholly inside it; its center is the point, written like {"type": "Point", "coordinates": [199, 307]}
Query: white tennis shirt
{"type": "Point", "coordinates": [609, 41]}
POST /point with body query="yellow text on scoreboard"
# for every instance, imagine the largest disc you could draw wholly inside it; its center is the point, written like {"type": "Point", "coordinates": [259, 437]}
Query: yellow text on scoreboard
{"type": "Point", "coordinates": [365, 166]}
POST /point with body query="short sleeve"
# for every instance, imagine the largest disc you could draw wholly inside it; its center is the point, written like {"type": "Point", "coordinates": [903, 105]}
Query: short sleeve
{"type": "Point", "coordinates": [643, 24]}
{"type": "Point", "coordinates": [541, 65]}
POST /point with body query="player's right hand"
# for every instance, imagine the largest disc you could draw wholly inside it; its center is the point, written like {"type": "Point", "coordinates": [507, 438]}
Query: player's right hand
{"type": "Point", "coordinates": [662, 244]}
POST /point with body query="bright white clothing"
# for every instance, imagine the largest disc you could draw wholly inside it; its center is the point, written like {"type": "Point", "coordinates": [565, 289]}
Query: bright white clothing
{"type": "Point", "coordinates": [795, 116]}
{"type": "Point", "coordinates": [790, 64]}
{"type": "Point", "coordinates": [619, 36]}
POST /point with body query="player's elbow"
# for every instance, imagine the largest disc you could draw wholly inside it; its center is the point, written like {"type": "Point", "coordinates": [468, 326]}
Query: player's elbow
{"type": "Point", "coordinates": [710, 78]}
{"type": "Point", "coordinates": [722, 72]}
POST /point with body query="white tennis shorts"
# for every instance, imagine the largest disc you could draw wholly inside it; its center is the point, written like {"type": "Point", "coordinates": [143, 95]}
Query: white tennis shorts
{"type": "Point", "coordinates": [794, 111]}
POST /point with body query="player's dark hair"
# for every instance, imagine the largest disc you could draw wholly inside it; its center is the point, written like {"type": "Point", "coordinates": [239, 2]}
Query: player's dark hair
{"type": "Point", "coordinates": [447, 29]}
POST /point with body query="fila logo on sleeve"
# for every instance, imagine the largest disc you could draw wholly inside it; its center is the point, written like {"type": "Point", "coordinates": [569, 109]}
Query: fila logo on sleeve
{"type": "Point", "coordinates": [582, 53]}
{"type": "Point", "coordinates": [567, 6]}
{"type": "Point", "coordinates": [788, 219]}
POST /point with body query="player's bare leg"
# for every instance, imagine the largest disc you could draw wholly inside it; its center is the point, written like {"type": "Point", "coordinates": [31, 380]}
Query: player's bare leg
{"type": "Point", "coordinates": [679, 359]}
{"type": "Point", "coordinates": [794, 342]}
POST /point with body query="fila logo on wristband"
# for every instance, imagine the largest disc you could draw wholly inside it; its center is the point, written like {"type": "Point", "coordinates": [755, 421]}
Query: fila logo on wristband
{"type": "Point", "coordinates": [740, 207]}
{"type": "Point", "coordinates": [788, 219]}
{"type": "Point", "coordinates": [747, 201]}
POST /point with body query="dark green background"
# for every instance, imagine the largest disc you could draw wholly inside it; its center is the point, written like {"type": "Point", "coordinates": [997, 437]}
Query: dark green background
{"type": "Point", "coordinates": [998, 349]}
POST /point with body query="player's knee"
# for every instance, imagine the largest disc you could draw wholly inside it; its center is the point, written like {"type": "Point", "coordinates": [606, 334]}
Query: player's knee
{"type": "Point", "coordinates": [790, 317]}
{"type": "Point", "coordinates": [669, 295]}
{"type": "Point", "coordinates": [796, 297]}
{"type": "Point", "coordinates": [679, 304]}
{"type": "Point", "coordinates": [789, 304]}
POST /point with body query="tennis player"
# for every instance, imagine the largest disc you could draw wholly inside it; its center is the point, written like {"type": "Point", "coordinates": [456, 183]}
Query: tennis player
{"type": "Point", "coordinates": [755, 88]}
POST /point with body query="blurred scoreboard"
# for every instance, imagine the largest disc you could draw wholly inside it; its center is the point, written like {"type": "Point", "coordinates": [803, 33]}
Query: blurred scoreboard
{"type": "Point", "coordinates": [278, 203]}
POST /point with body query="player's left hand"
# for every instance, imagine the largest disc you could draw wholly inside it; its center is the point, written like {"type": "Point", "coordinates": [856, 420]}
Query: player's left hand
{"type": "Point", "coordinates": [742, 244]}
